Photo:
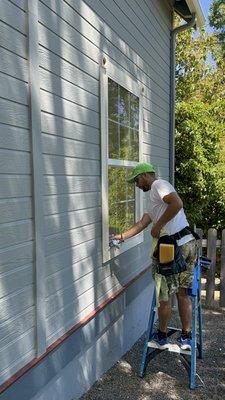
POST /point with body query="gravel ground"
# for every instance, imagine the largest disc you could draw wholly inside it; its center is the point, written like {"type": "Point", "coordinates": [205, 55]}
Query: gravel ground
{"type": "Point", "coordinates": [166, 378]}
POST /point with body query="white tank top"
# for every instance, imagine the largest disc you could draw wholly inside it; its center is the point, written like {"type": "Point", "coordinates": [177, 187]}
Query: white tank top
{"type": "Point", "coordinates": [157, 207]}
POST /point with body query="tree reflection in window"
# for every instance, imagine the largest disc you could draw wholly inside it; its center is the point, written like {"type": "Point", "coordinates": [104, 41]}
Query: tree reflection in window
{"type": "Point", "coordinates": [123, 129]}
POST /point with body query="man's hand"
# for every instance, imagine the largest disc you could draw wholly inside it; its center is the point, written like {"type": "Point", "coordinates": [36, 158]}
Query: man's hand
{"type": "Point", "coordinates": [155, 231]}
{"type": "Point", "coordinates": [117, 237]}
{"type": "Point", "coordinates": [135, 229]}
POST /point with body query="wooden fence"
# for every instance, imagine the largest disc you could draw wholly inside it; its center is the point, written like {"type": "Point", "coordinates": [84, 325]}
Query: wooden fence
{"type": "Point", "coordinates": [216, 252]}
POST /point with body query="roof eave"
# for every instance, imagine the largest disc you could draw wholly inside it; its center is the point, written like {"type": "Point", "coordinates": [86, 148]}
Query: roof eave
{"type": "Point", "coordinates": [186, 8]}
{"type": "Point", "coordinates": [194, 6]}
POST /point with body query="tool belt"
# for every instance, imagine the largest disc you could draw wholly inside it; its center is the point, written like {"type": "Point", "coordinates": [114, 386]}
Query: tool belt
{"type": "Point", "coordinates": [169, 255]}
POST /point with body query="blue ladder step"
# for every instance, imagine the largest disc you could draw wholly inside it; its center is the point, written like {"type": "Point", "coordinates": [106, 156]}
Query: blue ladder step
{"type": "Point", "coordinates": [190, 362]}
{"type": "Point", "coordinates": [173, 348]}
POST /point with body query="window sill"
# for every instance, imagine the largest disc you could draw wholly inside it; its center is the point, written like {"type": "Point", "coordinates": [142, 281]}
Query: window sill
{"type": "Point", "coordinates": [125, 246]}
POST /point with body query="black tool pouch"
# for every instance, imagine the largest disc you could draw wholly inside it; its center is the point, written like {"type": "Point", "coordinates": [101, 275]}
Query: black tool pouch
{"type": "Point", "coordinates": [175, 266]}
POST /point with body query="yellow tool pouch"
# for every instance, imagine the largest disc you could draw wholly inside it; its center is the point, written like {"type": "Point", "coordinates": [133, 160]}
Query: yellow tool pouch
{"type": "Point", "coordinates": [169, 256]}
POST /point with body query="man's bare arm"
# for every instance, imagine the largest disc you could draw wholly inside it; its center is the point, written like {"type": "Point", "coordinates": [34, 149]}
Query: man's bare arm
{"type": "Point", "coordinates": [136, 228]}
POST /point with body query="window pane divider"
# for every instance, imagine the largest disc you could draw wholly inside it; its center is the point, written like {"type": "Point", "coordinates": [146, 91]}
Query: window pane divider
{"type": "Point", "coordinates": [121, 163]}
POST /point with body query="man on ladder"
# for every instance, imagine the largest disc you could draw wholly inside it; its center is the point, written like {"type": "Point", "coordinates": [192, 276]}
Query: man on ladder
{"type": "Point", "coordinates": [167, 215]}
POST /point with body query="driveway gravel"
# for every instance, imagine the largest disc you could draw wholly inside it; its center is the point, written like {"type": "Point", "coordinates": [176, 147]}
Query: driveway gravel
{"type": "Point", "coordinates": [166, 378]}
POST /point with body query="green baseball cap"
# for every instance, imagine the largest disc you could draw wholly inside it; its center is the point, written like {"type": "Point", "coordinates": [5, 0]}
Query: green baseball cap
{"type": "Point", "coordinates": [140, 169]}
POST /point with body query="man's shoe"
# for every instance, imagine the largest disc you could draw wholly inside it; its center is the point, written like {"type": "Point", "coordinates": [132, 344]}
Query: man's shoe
{"type": "Point", "coordinates": [162, 343]}
{"type": "Point", "coordinates": [185, 343]}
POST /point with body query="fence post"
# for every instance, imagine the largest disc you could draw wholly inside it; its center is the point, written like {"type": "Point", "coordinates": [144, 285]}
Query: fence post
{"type": "Point", "coordinates": [222, 271]}
{"type": "Point", "coordinates": [200, 234]}
{"type": "Point", "coordinates": [211, 253]}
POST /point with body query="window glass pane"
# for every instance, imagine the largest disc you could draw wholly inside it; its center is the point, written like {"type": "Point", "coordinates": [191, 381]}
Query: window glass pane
{"type": "Point", "coordinates": [124, 106]}
{"type": "Point", "coordinates": [124, 143]}
{"type": "Point", "coordinates": [114, 147]}
{"type": "Point", "coordinates": [113, 100]}
{"type": "Point", "coordinates": [134, 147]}
{"type": "Point", "coordinates": [134, 111]}
{"type": "Point", "coordinates": [121, 200]}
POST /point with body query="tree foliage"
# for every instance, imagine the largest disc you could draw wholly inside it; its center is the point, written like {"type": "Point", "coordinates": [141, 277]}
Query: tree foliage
{"type": "Point", "coordinates": [200, 127]}
{"type": "Point", "coordinates": [217, 21]}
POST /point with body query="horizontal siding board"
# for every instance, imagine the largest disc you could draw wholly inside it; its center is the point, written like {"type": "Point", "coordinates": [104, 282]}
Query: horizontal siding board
{"type": "Point", "coordinates": [15, 303]}
{"type": "Point", "coordinates": [109, 45]}
{"type": "Point", "coordinates": [163, 12]}
{"type": "Point", "coordinates": [69, 257]}
{"type": "Point", "coordinates": [155, 151]}
{"type": "Point", "coordinates": [70, 166]}
{"type": "Point", "coordinates": [15, 186]}
{"type": "Point", "coordinates": [16, 280]}
{"type": "Point", "coordinates": [156, 140]}
{"type": "Point", "coordinates": [99, 280]}
{"type": "Point", "coordinates": [14, 138]}
{"type": "Point", "coordinates": [155, 119]}
{"type": "Point", "coordinates": [146, 15]}
{"type": "Point", "coordinates": [14, 162]}
{"type": "Point", "coordinates": [73, 313]}
{"type": "Point", "coordinates": [68, 90]}
{"type": "Point", "coordinates": [16, 256]}
{"type": "Point", "coordinates": [21, 4]}
{"type": "Point", "coordinates": [70, 184]}
{"type": "Point", "coordinates": [155, 106]}
{"type": "Point", "coordinates": [64, 69]}
{"type": "Point", "coordinates": [91, 307]}
{"type": "Point", "coordinates": [63, 108]}
{"type": "Point", "coordinates": [73, 305]}
{"type": "Point", "coordinates": [13, 40]}
{"type": "Point", "coordinates": [71, 202]}
{"type": "Point", "coordinates": [15, 233]}
{"type": "Point", "coordinates": [144, 42]}
{"type": "Point", "coordinates": [78, 274]}
{"type": "Point", "coordinates": [157, 161]}
{"type": "Point", "coordinates": [59, 126]}
{"type": "Point", "coordinates": [156, 16]}
{"type": "Point", "coordinates": [14, 114]}
{"type": "Point", "coordinates": [70, 148]}
{"type": "Point", "coordinates": [13, 89]}
{"type": "Point", "coordinates": [13, 65]}
{"type": "Point", "coordinates": [110, 14]}
{"type": "Point", "coordinates": [52, 42]}
{"type": "Point", "coordinates": [151, 128]}
{"type": "Point", "coordinates": [13, 352]}
{"type": "Point", "coordinates": [163, 173]}
{"type": "Point", "coordinates": [93, 27]}
{"type": "Point", "coordinates": [15, 210]}
{"type": "Point", "coordinates": [68, 33]}
{"type": "Point", "coordinates": [12, 329]}
{"type": "Point", "coordinates": [71, 220]}
{"type": "Point", "coordinates": [72, 238]}
{"type": "Point", "coordinates": [71, 290]}
{"type": "Point", "coordinates": [13, 16]}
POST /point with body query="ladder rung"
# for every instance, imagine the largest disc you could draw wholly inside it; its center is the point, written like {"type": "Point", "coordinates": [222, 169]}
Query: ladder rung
{"type": "Point", "coordinates": [174, 329]}
{"type": "Point", "coordinates": [173, 348]}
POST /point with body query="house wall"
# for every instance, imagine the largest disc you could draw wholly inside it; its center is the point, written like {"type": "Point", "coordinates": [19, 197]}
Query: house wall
{"type": "Point", "coordinates": [17, 299]}
{"type": "Point", "coordinates": [72, 37]}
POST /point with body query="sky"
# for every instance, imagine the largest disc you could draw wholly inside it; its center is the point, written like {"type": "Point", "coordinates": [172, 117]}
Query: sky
{"type": "Point", "coordinates": [205, 4]}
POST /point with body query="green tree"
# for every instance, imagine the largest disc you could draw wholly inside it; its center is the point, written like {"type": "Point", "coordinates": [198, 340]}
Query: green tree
{"type": "Point", "coordinates": [200, 126]}
{"type": "Point", "coordinates": [217, 21]}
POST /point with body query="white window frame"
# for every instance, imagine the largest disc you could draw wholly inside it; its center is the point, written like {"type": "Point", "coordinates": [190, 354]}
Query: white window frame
{"type": "Point", "coordinates": [110, 70]}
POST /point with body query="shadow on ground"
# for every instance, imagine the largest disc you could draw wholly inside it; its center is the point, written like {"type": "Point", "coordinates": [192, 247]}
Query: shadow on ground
{"type": "Point", "coordinates": [166, 378]}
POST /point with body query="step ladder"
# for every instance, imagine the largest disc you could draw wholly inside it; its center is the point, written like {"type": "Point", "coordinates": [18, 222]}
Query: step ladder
{"type": "Point", "coordinates": [188, 357]}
